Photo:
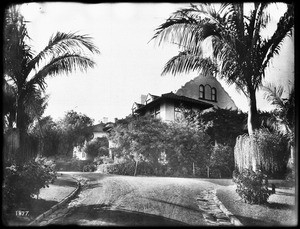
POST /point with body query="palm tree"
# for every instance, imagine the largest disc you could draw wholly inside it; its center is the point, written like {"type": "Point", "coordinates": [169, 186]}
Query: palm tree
{"type": "Point", "coordinates": [240, 54]}
{"type": "Point", "coordinates": [27, 72]}
{"type": "Point", "coordinates": [283, 119]}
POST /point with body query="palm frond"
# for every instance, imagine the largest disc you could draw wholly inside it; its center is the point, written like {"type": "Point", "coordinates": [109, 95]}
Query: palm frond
{"type": "Point", "coordinates": [62, 43]}
{"type": "Point", "coordinates": [67, 63]}
{"type": "Point", "coordinates": [272, 46]}
{"type": "Point", "coordinates": [273, 94]}
{"type": "Point", "coordinates": [186, 62]}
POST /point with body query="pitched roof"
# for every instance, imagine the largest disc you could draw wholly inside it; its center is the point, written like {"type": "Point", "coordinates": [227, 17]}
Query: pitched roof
{"type": "Point", "coordinates": [176, 98]}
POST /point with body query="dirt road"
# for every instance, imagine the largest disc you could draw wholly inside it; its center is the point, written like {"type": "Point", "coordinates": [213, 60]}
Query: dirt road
{"type": "Point", "coordinates": [126, 200]}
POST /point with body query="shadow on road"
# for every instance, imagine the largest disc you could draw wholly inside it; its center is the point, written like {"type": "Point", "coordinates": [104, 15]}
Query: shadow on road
{"type": "Point", "coordinates": [101, 215]}
{"type": "Point", "coordinates": [247, 221]}
{"type": "Point", "coordinates": [177, 205]}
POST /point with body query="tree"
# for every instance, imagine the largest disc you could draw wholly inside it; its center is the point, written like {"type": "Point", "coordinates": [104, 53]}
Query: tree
{"type": "Point", "coordinates": [139, 139]}
{"type": "Point", "coordinates": [283, 117]}
{"type": "Point", "coordinates": [187, 147]}
{"type": "Point", "coordinates": [46, 130]}
{"type": "Point", "coordinates": [74, 131]}
{"type": "Point", "coordinates": [221, 160]}
{"type": "Point", "coordinates": [181, 147]}
{"type": "Point", "coordinates": [97, 147]}
{"type": "Point", "coordinates": [240, 54]}
{"type": "Point", "coordinates": [217, 120]}
{"type": "Point", "coordinates": [26, 72]}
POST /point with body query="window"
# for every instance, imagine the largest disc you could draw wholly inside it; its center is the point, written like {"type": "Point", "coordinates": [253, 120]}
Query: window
{"type": "Point", "coordinates": [178, 115]}
{"type": "Point", "coordinates": [213, 94]}
{"type": "Point", "coordinates": [201, 91]}
{"type": "Point", "coordinates": [155, 112]}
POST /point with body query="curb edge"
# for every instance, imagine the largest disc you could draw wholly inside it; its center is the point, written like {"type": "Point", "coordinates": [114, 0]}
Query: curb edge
{"type": "Point", "coordinates": [235, 221]}
{"type": "Point", "coordinates": [56, 206]}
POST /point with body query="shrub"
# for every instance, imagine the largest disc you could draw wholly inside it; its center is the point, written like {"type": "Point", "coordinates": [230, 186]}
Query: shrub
{"type": "Point", "coordinates": [269, 151]}
{"type": "Point", "coordinates": [89, 168]}
{"type": "Point", "coordinates": [252, 186]}
{"type": "Point", "coordinates": [22, 182]}
{"type": "Point", "coordinates": [123, 168]}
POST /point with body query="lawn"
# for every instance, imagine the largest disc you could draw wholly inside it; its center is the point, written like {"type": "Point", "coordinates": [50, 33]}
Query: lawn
{"type": "Point", "coordinates": [281, 209]}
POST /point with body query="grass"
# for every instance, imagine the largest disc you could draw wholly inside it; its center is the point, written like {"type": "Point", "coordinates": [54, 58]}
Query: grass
{"type": "Point", "coordinates": [62, 187]}
{"type": "Point", "coordinates": [280, 210]}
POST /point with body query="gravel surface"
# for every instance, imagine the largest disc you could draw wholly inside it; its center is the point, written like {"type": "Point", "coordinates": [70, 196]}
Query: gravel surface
{"type": "Point", "coordinates": [281, 210]}
{"type": "Point", "coordinates": [172, 198]}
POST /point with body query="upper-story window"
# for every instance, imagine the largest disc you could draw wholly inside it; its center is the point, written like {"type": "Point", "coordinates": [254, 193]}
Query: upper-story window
{"type": "Point", "coordinates": [214, 94]}
{"type": "Point", "coordinates": [207, 92]}
{"type": "Point", "coordinates": [201, 92]}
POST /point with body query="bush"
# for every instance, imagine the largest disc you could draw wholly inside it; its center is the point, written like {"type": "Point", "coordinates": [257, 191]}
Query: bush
{"type": "Point", "coordinates": [269, 150]}
{"type": "Point", "coordinates": [123, 168]}
{"type": "Point", "coordinates": [22, 182]}
{"type": "Point", "coordinates": [252, 186]}
{"type": "Point", "coordinates": [70, 164]}
{"type": "Point", "coordinates": [89, 168]}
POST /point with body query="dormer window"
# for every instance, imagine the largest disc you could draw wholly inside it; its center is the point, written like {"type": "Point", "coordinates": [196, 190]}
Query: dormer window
{"type": "Point", "coordinates": [201, 92]}
{"type": "Point", "coordinates": [213, 94]}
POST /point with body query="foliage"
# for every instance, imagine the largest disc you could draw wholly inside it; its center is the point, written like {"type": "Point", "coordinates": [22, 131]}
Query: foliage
{"type": "Point", "coordinates": [283, 120]}
{"type": "Point", "coordinates": [89, 168]}
{"type": "Point", "coordinates": [73, 131]}
{"type": "Point", "coordinates": [185, 144]}
{"type": "Point", "coordinates": [97, 147]}
{"type": "Point", "coordinates": [22, 182]}
{"type": "Point", "coordinates": [179, 146]}
{"type": "Point", "coordinates": [252, 186]}
{"type": "Point", "coordinates": [267, 150]}
{"type": "Point", "coordinates": [47, 132]}
{"type": "Point", "coordinates": [139, 138]}
{"type": "Point", "coordinates": [240, 53]}
{"type": "Point", "coordinates": [217, 120]}
{"type": "Point", "coordinates": [26, 73]}
{"type": "Point", "coordinates": [221, 160]}
{"type": "Point", "coordinates": [70, 164]}
{"type": "Point", "coordinates": [121, 168]}
{"type": "Point", "coordinates": [127, 167]}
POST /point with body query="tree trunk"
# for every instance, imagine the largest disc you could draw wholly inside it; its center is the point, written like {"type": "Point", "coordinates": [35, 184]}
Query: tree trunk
{"type": "Point", "coordinates": [252, 121]}
{"type": "Point", "coordinates": [207, 171]}
{"type": "Point", "coordinates": [136, 164]}
{"type": "Point", "coordinates": [20, 124]}
{"type": "Point", "coordinates": [193, 169]}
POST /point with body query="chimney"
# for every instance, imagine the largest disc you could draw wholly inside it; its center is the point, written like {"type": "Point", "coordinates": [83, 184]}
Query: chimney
{"type": "Point", "coordinates": [105, 120]}
{"type": "Point", "coordinates": [143, 99]}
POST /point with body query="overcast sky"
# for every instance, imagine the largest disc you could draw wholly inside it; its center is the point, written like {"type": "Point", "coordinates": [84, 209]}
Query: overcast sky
{"type": "Point", "coordinates": [128, 65]}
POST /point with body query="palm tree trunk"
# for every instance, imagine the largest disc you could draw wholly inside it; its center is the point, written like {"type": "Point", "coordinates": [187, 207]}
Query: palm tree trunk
{"type": "Point", "coordinates": [20, 154]}
{"type": "Point", "coordinates": [252, 121]}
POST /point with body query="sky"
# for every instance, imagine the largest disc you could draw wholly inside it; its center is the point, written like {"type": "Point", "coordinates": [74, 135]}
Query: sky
{"type": "Point", "coordinates": [129, 65]}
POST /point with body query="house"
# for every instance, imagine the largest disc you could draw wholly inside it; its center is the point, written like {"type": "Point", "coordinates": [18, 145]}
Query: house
{"type": "Point", "coordinates": [198, 94]}
{"type": "Point", "coordinates": [97, 131]}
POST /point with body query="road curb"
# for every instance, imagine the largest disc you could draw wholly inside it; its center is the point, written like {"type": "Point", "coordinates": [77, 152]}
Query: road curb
{"type": "Point", "coordinates": [58, 205]}
{"type": "Point", "coordinates": [235, 221]}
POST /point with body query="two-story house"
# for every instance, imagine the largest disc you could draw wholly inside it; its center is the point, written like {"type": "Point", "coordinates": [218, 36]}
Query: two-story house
{"type": "Point", "coordinates": [198, 94]}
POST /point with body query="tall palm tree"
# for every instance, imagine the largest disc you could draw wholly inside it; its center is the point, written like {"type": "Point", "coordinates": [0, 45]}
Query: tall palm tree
{"type": "Point", "coordinates": [27, 72]}
{"type": "Point", "coordinates": [240, 54]}
{"type": "Point", "coordinates": [283, 119]}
